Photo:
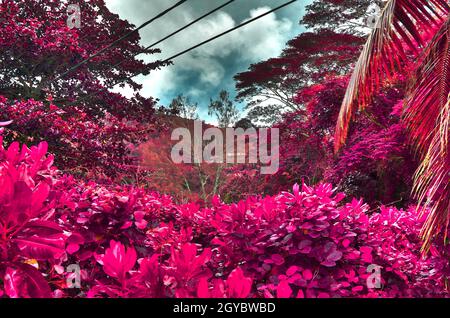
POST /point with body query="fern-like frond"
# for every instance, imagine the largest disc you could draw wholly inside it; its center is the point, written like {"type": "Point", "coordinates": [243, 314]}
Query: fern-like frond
{"type": "Point", "coordinates": [427, 117]}
{"type": "Point", "coordinates": [402, 24]}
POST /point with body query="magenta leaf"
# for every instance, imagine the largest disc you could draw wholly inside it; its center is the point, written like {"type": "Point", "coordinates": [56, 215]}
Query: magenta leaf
{"type": "Point", "coordinates": [284, 290]}
{"type": "Point", "coordinates": [118, 260]}
{"type": "Point", "coordinates": [5, 123]}
{"type": "Point", "coordinates": [239, 286]}
{"type": "Point", "coordinates": [24, 281]}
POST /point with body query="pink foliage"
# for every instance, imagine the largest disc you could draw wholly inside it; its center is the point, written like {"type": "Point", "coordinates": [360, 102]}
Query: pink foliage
{"type": "Point", "coordinates": [117, 261]}
{"type": "Point", "coordinates": [96, 149]}
{"type": "Point", "coordinates": [304, 243]}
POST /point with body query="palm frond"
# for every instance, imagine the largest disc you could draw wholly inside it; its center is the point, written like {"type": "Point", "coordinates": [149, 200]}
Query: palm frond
{"type": "Point", "coordinates": [402, 24]}
{"type": "Point", "coordinates": [427, 117]}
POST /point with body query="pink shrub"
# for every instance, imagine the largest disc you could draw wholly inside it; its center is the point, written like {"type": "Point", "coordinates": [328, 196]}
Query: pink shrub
{"type": "Point", "coordinates": [96, 149]}
{"type": "Point", "coordinates": [29, 232]}
{"type": "Point", "coordinates": [132, 243]}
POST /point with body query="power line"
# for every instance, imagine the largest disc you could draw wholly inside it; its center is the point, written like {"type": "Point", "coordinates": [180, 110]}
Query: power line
{"type": "Point", "coordinates": [194, 47]}
{"type": "Point", "coordinates": [172, 34]}
{"type": "Point", "coordinates": [228, 31]}
{"type": "Point", "coordinates": [121, 39]}
{"type": "Point", "coordinates": [190, 24]}
{"type": "Point", "coordinates": [213, 38]}
{"type": "Point", "coordinates": [177, 31]}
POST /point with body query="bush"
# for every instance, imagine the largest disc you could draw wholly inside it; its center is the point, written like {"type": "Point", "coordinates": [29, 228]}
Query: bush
{"type": "Point", "coordinates": [132, 243]}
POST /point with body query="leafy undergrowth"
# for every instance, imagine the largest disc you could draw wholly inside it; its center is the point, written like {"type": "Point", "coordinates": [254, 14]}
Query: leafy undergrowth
{"type": "Point", "coordinates": [132, 243]}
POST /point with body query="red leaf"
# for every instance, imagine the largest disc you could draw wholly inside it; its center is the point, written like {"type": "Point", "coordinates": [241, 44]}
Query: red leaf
{"type": "Point", "coordinates": [24, 281]}
{"type": "Point", "coordinates": [284, 290]}
{"type": "Point", "coordinates": [202, 289]}
{"type": "Point", "coordinates": [239, 286]}
{"type": "Point", "coordinates": [118, 261]}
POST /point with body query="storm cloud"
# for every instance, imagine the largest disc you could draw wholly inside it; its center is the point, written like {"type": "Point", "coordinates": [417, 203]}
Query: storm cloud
{"type": "Point", "coordinates": [202, 73]}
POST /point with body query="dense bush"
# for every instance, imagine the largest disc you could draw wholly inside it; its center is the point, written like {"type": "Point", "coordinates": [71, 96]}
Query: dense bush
{"type": "Point", "coordinates": [95, 149]}
{"type": "Point", "coordinates": [133, 243]}
{"type": "Point", "coordinates": [89, 126]}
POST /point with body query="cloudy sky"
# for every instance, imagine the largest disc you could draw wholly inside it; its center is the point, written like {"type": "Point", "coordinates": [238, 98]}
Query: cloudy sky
{"type": "Point", "coordinates": [202, 73]}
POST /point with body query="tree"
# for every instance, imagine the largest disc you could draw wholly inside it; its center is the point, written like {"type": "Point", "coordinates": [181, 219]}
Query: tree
{"type": "Point", "coordinates": [401, 26]}
{"type": "Point", "coordinates": [265, 115]}
{"type": "Point", "coordinates": [337, 31]}
{"type": "Point", "coordinates": [344, 16]}
{"type": "Point", "coordinates": [37, 47]}
{"type": "Point", "coordinates": [244, 123]}
{"type": "Point", "coordinates": [227, 114]}
{"type": "Point", "coordinates": [270, 87]}
{"type": "Point", "coordinates": [224, 110]}
{"type": "Point", "coordinates": [183, 106]}
{"type": "Point", "coordinates": [76, 113]}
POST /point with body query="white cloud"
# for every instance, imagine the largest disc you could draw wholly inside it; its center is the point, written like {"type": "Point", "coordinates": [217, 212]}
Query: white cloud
{"type": "Point", "coordinates": [267, 36]}
{"type": "Point", "coordinates": [158, 83]}
{"type": "Point", "coordinates": [254, 42]}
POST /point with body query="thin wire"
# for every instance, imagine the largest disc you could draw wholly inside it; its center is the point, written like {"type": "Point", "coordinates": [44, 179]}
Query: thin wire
{"type": "Point", "coordinates": [177, 31]}
{"type": "Point", "coordinates": [228, 31]}
{"type": "Point", "coordinates": [190, 24]}
{"type": "Point", "coordinates": [192, 48]}
{"type": "Point", "coordinates": [121, 39]}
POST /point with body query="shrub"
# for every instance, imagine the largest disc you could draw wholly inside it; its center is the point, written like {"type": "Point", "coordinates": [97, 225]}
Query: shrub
{"type": "Point", "coordinates": [129, 242]}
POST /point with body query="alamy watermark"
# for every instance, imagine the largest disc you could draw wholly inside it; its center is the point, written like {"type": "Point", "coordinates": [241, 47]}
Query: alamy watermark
{"type": "Point", "coordinates": [374, 279]}
{"type": "Point", "coordinates": [210, 145]}
{"type": "Point", "coordinates": [73, 279]}
{"type": "Point", "coordinates": [373, 15]}
{"type": "Point", "coordinates": [74, 16]}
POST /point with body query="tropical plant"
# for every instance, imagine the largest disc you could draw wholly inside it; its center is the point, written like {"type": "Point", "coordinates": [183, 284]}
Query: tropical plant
{"type": "Point", "coordinates": [129, 242]}
{"type": "Point", "coordinates": [407, 31]}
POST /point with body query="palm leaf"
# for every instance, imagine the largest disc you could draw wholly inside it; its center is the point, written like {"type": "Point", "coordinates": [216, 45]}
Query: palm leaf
{"type": "Point", "coordinates": [427, 116]}
{"type": "Point", "coordinates": [402, 24]}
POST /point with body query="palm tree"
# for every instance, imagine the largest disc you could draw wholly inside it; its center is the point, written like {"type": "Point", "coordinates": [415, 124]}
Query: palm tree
{"type": "Point", "coordinates": [423, 27]}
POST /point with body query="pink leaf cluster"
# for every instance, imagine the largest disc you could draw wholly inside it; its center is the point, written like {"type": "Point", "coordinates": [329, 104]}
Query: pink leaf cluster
{"type": "Point", "coordinates": [129, 242]}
